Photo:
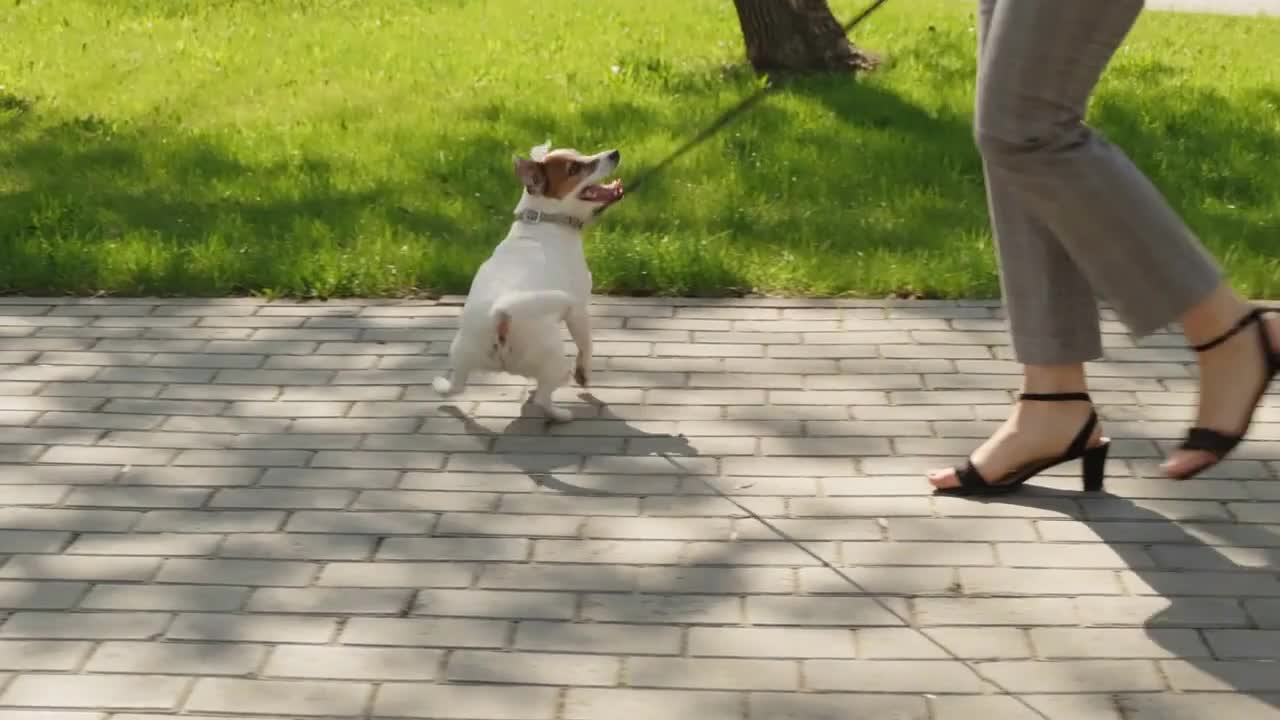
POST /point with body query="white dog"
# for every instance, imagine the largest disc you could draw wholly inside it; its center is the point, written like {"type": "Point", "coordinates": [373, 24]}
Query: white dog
{"type": "Point", "coordinates": [537, 278]}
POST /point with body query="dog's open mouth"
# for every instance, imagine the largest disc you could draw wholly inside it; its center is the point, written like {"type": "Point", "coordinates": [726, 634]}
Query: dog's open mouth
{"type": "Point", "coordinates": [603, 194]}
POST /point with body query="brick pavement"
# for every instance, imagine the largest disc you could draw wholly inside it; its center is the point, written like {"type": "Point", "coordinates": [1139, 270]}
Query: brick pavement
{"type": "Point", "coordinates": [230, 507]}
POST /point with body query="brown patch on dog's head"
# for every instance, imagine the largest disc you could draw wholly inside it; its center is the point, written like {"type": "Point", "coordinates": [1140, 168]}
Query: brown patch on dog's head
{"type": "Point", "coordinates": [572, 182]}
{"type": "Point", "coordinates": [558, 175]}
{"type": "Point", "coordinates": [566, 170]}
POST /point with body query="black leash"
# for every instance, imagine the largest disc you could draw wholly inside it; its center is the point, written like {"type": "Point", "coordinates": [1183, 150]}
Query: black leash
{"type": "Point", "coordinates": [746, 104]}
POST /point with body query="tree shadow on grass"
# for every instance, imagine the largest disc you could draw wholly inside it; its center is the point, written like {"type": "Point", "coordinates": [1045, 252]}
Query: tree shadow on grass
{"type": "Point", "coordinates": [1212, 164]}
{"type": "Point", "coordinates": [811, 183]}
{"type": "Point", "coordinates": [84, 184]}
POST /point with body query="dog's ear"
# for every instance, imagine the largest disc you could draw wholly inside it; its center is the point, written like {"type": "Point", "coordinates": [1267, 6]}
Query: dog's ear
{"type": "Point", "coordinates": [532, 174]}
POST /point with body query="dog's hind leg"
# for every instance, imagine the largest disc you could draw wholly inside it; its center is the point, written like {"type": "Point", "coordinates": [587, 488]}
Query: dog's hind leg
{"type": "Point", "coordinates": [552, 378]}
{"type": "Point", "coordinates": [579, 322]}
{"type": "Point", "coordinates": [454, 384]}
{"type": "Point", "coordinates": [461, 371]}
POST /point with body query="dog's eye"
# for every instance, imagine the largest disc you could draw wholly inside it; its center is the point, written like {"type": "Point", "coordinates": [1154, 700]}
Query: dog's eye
{"type": "Point", "coordinates": [575, 168]}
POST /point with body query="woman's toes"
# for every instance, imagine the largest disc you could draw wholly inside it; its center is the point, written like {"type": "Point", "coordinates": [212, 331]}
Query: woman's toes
{"type": "Point", "coordinates": [943, 479]}
{"type": "Point", "coordinates": [1183, 462]}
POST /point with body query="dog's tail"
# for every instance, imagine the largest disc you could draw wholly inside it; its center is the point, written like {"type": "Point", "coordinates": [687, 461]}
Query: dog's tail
{"type": "Point", "coordinates": [514, 306]}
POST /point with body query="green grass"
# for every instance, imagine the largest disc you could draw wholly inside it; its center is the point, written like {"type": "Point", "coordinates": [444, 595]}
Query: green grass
{"type": "Point", "coordinates": [363, 147]}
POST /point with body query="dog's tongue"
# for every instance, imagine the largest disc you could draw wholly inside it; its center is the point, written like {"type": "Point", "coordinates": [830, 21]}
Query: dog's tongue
{"type": "Point", "coordinates": [603, 193]}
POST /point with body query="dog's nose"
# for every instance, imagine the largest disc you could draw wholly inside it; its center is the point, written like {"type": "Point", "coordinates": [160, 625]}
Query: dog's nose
{"type": "Point", "coordinates": [615, 156]}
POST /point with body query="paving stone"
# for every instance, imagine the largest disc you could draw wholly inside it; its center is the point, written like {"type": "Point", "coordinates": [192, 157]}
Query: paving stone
{"type": "Point", "coordinates": [356, 479]}
{"type": "Point", "coordinates": [282, 498]}
{"type": "Point", "coordinates": [426, 632]}
{"type": "Point", "coordinates": [42, 655]}
{"type": "Point", "coordinates": [86, 626]}
{"type": "Point", "coordinates": [691, 609]}
{"type": "Point", "coordinates": [1019, 612]}
{"type": "Point", "coordinates": [238, 572]}
{"type": "Point", "coordinates": [191, 476]}
{"type": "Point", "coordinates": [253, 628]}
{"type": "Point", "coordinates": [299, 697]}
{"type": "Point", "coordinates": [33, 541]}
{"type": "Point", "coordinates": [523, 605]}
{"type": "Point", "coordinates": [244, 458]}
{"type": "Point", "coordinates": [598, 638]}
{"type": "Point", "coordinates": [106, 692]}
{"type": "Point", "coordinates": [1162, 612]}
{"type": "Point", "coordinates": [1193, 706]}
{"type": "Point", "coordinates": [1244, 644]}
{"type": "Point", "coordinates": [747, 580]}
{"type": "Point", "coordinates": [980, 643]}
{"type": "Point", "coordinates": [1036, 581]}
{"type": "Point", "coordinates": [360, 523]}
{"type": "Point", "coordinates": [176, 658]}
{"type": "Point", "coordinates": [1003, 707]}
{"type": "Point", "coordinates": [353, 663]}
{"type": "Point", "coordinates": [67, 567]}
{"type": "Point", "coordinates": [849, 612]}
{"type": "Point", "coordinates": [462, 549]}
{"type": "Point", "coordinates": [1075, 676]}
{"type": "Point", "coordinates": [833, 706]}
{"type": "Point", "coordinates": [40, 595]}
{"type": "Point", "coordinates": [1222, 676]}
{"type": "Point", "coordinates": [399, 574]}
{"type": "Point", "coordinates": [551, 577]}
{"type": "Point", "coordinates": [461, 702]}
{"type": "Point", "coordinates": [297, 546]}
{"type": "Point", "coordinates": [206, 521]}
{"type": "Point", "coordinates": [106, 596]}
{"type": "Point", "coordinates": [70, 454]}
{"type": "Point", "coordinates": [766, 642]}
{"type": "Point", "coordinates": [136, 497]}
{"type": "Point", "coordinates": [329, 601]}
{"type": "Point", "coordinates": [713, 673]}
{"type": "Point", "coordinates": [962, 529]}
{"type": "Point", "coordinates": [70, 475]}
{"type": "Point", "coordinates": [902, 676]}
{"type": "Point", "coordinates": [1083, 643]}
{"type": "Point", "coordinates": [535, 668]}
{"type": "Point", "coordinates": [1178, 583]}
{"type": "Point", "coordinates": [633, 704]}
{"type": "Point", "coordinates": [1266, 613]}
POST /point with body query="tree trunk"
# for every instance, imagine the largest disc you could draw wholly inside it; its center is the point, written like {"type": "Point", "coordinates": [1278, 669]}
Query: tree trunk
{"type": "Point", "coordinates": [797, 36]}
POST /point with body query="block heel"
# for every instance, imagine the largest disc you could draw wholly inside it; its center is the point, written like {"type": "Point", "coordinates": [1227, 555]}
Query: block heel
{"type": "Point", "coordinates": [1093, 470]}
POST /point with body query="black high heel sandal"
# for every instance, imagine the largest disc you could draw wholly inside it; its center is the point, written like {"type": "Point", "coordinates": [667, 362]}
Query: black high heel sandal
{"type": "Point", "coordinates": [1094, 458]}
{"type": "Point", "coordinates": [1218, 443]}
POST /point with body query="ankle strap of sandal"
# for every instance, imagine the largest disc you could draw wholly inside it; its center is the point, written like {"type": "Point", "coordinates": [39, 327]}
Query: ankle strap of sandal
{"type": "Point", "coordinates": [1241, 324]}
{"type": "Point", "coordinates": [1056, 397]}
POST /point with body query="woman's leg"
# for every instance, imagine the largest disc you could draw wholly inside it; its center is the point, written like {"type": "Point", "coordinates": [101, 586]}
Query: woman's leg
{"type": "Point", "coordinates": [1051, 308]}
{"type": "Point", "coordinates": [1043, 61]}
{"type": "Point", "coordinates": [1040, 61]}
{"type": "Point", "coordinates": [1052, 312]}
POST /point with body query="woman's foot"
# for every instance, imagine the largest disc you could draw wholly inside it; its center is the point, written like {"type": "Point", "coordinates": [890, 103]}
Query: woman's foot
{"type": "Point", "coordinates": [1035, 430]}
{"type": "Point", "coordinates": [1231, 377]}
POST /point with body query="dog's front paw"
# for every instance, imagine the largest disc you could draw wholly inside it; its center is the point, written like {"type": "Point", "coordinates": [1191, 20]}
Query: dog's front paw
{"type": "Point", "coordinates": [582, 375]}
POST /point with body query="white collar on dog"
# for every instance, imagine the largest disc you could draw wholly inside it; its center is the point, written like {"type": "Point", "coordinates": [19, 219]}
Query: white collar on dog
{"type": "Point", "coordinates": [537, 216]}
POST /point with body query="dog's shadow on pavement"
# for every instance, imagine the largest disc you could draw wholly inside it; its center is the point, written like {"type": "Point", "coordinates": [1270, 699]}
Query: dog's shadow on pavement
{"type": "Point", "coordinates": [539, 470]}
{"type": "Point", "coordinates": [1215, 625]}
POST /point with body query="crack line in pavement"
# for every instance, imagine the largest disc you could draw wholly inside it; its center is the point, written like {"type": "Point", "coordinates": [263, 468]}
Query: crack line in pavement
{"type": "Point", "coordinates": [855, 585]}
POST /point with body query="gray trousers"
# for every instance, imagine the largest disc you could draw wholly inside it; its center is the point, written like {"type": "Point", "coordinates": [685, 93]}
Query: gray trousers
{"type": "Point", "coordinates": [1073, 218]}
